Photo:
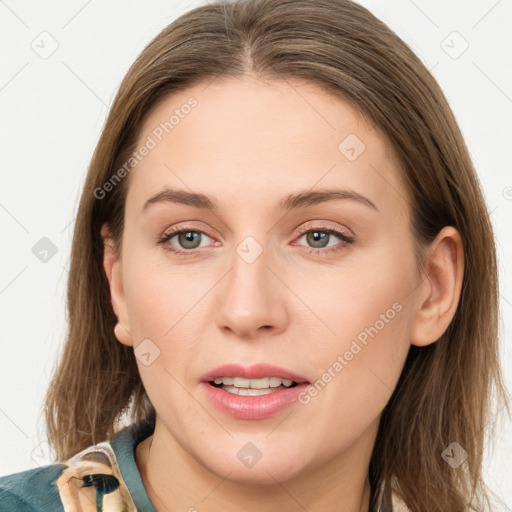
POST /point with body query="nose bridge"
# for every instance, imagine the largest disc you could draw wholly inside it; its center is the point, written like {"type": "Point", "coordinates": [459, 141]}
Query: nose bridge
{"type": "Point", "coordinates": [250, 272]}
{"type": "Point", "coordinates": [250, 298]}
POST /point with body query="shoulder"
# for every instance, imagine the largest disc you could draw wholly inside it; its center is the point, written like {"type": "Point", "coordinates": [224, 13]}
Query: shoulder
{"type": "Point", "coordinates": [90, 476]}
{"type": "Point", "coordinates": [31, 490]}
{"type": "Point", "coordinates": [105, 474]}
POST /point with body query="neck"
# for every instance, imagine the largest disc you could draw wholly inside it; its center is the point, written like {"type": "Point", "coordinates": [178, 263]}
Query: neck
{"type": "Point", "coordinates": [176, 481]}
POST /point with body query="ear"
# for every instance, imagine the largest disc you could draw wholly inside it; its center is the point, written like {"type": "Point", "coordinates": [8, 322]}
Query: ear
{"type": "Point", "coordinates": [112, 266]}
{"type": "Point", "coordinates": [440, 290]}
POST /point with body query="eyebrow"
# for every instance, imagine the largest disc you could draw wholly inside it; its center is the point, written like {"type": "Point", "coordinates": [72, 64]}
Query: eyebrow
{"type": "Point", "coordinates": [293, 201]}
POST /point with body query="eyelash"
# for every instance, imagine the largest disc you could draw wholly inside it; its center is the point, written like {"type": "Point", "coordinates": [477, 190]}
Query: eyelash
{"type": "Point", "coordinates": [346, 239]}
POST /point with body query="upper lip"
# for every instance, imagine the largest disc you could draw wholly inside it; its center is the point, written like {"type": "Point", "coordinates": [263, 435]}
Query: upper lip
{"type": "Point", "coordinates": [255, 371]}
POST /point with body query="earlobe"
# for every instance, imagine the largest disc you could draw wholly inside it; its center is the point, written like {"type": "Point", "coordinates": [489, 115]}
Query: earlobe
{"type": "Point", "coordinates": [112, 267]}
{"type": "Point", "coordinates": [440, 290]}
{"type": "Point", "coordinates": [123, 335]}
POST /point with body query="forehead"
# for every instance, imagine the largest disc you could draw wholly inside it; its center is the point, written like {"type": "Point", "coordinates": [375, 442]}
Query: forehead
{"type": "Point", "coordinates": [249, 140]}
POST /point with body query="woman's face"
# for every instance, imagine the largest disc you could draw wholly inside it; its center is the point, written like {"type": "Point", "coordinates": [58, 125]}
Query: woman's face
{"type": "Point", "coordinates": [298, 255]}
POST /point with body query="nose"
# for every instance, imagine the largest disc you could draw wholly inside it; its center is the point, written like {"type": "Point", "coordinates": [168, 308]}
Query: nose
{"type": "Point", "coordinates": [252, 299]}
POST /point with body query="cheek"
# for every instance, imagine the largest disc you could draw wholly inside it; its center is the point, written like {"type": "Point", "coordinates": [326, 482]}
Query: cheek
{"type": "Point", "coordinates": [164, 302]}
{"type": "Point", "coordinates": [163, 305]}
{"type": "Point", "coordinates": [360, 300]}
{"type": "Point", "coordinates": [158, 293]}
{"type": "Point", "coordinates": [360, 357]}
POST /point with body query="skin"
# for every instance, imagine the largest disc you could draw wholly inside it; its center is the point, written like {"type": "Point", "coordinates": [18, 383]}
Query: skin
{"type": "Point", "coordinates": [249, 144]}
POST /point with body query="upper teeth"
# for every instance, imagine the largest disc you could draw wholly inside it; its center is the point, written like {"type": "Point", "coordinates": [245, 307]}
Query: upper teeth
{"type": "Point", "coordinates": [239, 382]}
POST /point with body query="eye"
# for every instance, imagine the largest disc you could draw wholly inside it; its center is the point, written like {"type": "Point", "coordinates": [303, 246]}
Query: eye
{"type": "Point", "coordinates": [188, 240]}
{"type": "Point", "coordinates": [320, 237]}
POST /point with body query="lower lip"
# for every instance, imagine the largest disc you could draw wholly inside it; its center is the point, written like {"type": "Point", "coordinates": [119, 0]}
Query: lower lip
{"type": "Point", "coordinates": [252, 407]}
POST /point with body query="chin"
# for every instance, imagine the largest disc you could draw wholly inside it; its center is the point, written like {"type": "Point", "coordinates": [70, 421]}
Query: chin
{"type": "Point", "coordinates": [266, 471]}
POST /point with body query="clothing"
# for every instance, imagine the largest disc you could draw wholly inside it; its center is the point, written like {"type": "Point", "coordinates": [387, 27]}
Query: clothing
{"type": "Point", "coordinates": [101, 478]}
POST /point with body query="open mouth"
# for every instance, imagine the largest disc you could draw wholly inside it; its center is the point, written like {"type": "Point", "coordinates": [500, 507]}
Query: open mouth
{"type": "Point", "coordinates": [230, 389]}
{"type": "Point", "coordinates": [252, 387]}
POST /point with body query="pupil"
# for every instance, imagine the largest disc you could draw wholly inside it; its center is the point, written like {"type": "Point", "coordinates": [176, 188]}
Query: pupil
{"type": "Point", "coordinates": [188, 238]}
{"type": "Point", "coordinates": [318, 236]}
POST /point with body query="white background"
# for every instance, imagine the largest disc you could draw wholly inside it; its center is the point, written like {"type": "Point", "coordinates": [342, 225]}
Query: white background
{"type": "Point", "coordinates": [52, 111]}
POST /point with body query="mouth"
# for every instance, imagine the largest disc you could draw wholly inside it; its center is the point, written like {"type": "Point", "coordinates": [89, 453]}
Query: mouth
{"type": "Point", "coordinates": [252, 392]}
{"type": "Point", "coordinates": [261, 376]}
{"type": "Point", "coordinates": [252, 387]}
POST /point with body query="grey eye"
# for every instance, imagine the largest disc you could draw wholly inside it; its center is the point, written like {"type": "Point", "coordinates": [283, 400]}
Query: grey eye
{"type": "Point", "coordinates": [189, 239]}
{"type": "Point", "coordinates": [317, 239]}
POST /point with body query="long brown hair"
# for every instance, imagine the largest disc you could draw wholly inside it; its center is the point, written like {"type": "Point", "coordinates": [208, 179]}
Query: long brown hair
{"type": "Point", "coordinates": [345, 49]}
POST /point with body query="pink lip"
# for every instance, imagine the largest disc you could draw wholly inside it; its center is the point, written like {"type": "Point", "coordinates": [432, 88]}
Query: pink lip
{"type": "Point", "coordinates": [252, 407]}
{"type": "Point", "coordinates": [257, 371]}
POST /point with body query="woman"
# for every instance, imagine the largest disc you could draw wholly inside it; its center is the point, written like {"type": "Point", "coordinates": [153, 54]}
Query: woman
{"type": "Point", "coordinates": [283, 278]}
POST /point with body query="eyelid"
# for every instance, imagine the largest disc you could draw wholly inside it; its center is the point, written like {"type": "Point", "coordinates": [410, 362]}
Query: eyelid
{"type": "Point", "coordinates": [325, 226]}
{"type": "Point", "coordinates": [186, 226]}
{"type": "Point", "coordinates": [169, 233]}
{"type": "Point", "coordinates": [327, 251]}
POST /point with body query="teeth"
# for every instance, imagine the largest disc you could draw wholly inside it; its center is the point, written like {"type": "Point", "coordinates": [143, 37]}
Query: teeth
{"type": "Point", "coordinates": [248, 391]}
{"type": "Point", "coordinates": [224, 380]}
{"type": "Point", "coordinates": [274, 382]}
{"type": "Point", "coordinates": [265, 383]}
{"type": "Point", "coordinates": [242, 383]}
